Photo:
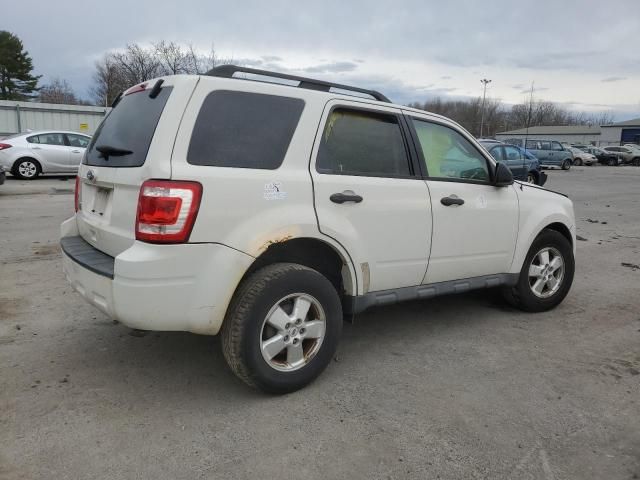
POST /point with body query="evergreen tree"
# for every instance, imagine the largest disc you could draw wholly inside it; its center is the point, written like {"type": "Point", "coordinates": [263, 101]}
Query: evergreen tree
{"type": "Point", "coordinates": [16, 80]}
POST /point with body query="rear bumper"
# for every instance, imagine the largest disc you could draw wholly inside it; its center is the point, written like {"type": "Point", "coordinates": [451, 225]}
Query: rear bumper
{"type": "Point", "coordinates": [183, 287]}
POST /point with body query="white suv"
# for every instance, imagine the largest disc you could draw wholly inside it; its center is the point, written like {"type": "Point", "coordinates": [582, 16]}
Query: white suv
{"type": "Point", "coordinates": [269, 212]}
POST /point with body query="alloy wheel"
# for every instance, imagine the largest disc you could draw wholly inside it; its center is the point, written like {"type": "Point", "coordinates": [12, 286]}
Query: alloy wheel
{"type": "Point", "coordinates": [546, 272]}
{"type": "Point", "coordinates": [292, 332]}
{"type": "Point", "coordinates": [27, 169]}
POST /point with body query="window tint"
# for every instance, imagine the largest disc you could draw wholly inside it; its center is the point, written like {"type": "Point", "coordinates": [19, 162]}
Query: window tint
{"type": "Point", "coordinates": [533, 145]}
{"type": "Point", "coordinates": [78, 140]}
{"type": "Point", "coordinates": [448, 154]}
{"type": "Point", "coordinates": [545, 145]}
{"type": "Point", "coordinates": [32, 139]}
{"type": "Point", "coordinates": [512, 153]}
{"type": "Point", "coordinates": [244, 130]}
{"type": "Point", "coordinates": [51, 139]}
{"type": "Point", "coordinates": [556, 146]}
{"type": "Point", "coordinates": [129, 126]}
{"type": "Point", "coordinates": [356, 142]}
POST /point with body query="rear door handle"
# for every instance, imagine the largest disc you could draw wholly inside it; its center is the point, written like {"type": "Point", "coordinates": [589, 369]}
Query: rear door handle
{"type": "Point", "coordinates": [451, 200]}
{"type": "Point", "coordinates": [346, 196]}
{"type": "Point", "coordinates": [75, 151]}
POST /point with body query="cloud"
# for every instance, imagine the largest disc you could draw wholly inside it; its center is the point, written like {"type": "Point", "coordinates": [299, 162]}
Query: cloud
{"type": "Point", "coordinates": [333, 67]}
{"type": "Point", "coordinates": [535, 89]}
{"type": "Point", "coordinates": [446, 77]}
{"type": "Point", "coordinates": [613, 79]}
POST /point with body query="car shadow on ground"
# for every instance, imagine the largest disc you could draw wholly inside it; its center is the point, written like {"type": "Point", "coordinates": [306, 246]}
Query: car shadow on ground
{"type": "Point", "coordinates": [131, 363]}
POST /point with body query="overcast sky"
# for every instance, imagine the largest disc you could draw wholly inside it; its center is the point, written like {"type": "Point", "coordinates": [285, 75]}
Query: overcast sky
{"type": "Point", "coordinates": [580, 53]}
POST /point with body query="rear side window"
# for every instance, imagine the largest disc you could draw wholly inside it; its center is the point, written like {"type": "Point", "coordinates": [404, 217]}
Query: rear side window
{"type": "Point", "coordinates": [244, 130]}
{"type": "Point", "coordinates": [129, 127]}
{"type": "Point", "coordinates": [362, 143]}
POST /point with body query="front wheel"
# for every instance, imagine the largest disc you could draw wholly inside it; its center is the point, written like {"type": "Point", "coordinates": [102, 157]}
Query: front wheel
{"type": "Point", "coordinates": [546, 275]}
{"type": "Point", "coordinates": [282, 327]}
{"type": "Point", "coordinates": [636, 162]}
{"type": "Point", "coordinates": [532, 178]}
{"type": "Point", "coordinates": [577, 162]}
{"type": "Point", "coordinates": [612, 162]}
{"type": "Point", "coordinates": [566, 165]}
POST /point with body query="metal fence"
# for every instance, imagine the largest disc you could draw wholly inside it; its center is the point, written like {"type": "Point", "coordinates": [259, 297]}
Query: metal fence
{"type": "Point", "coordinates": [17, 117]}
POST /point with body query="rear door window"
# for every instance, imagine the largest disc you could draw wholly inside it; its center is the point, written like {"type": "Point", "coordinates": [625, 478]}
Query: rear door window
{"type": "Point", "coordinates": [363, 143]}
{"type": "Point", "coordinates": [78, 140]}
{"type": "Point", "coordinates": [51, 139]}
{"type": "Point", "coordinates": [244, 130]}
{"type": "Point", "coordinates": [129, 127]}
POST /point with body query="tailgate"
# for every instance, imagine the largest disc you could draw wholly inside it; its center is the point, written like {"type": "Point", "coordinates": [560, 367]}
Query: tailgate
{"type": "Point", "coordinates": [133, 144]}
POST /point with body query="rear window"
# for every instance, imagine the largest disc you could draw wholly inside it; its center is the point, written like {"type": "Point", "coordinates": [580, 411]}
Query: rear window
{"type": "Point", "coordinates": [128, 127]}
{"type": "Point", "coordinates": [244, 130]}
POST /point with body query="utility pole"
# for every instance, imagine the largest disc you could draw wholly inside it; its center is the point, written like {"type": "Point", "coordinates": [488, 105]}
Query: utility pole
{"type": "Point", "coordinates": [485, 82]}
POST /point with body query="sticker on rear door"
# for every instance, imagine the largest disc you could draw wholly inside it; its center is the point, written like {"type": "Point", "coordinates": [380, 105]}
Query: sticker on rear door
{"type": "Point", "coordinates": [274, 191]}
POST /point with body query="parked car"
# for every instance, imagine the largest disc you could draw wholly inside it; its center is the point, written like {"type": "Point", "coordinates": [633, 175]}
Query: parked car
{"type": "Point", "coordinates": [523, 165]}
{"type": "Point", "coordinates": [627, 155]}
{"type": "Point", "coordinates": [267, 212]}
{"type": "Point", "coordinates": [27, 155]}
{"type": "Point", "coordinates": [602, 156]}
{"type": "Point", "coordinates": [582, 157]}
{"type": "Point", "coordinates": [550, 153]}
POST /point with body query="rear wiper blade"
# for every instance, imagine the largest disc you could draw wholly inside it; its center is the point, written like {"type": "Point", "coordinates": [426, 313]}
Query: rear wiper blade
{"type": "Point", "coordinates": [109, 151]}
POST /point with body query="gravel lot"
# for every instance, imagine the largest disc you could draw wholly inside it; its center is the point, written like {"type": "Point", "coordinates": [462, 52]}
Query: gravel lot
{"type": "Point", "coordinates": [452, 388]}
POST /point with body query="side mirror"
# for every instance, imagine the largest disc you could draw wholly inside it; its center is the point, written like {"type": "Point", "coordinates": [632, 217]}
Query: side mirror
{"type": "Point", "coordinates": [503, 177]}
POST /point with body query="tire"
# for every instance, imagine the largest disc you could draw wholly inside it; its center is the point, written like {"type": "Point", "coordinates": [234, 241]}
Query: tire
{"type": "Point", "coordinates": [522, 295]}
{"type": "Point", "coordinates": [577, 162]}
{"type": "Point", "coordinates": [26, 168]}
{"type": "Point", "coordinates": [636, 162]}
{"type": "Point", "coordinates": [532, 177]}
{"type": "Point", "coordinates": [248, 330]}
{"type": "Point", "coordinates": [566, 165]}
{"type": "Point", "coordinates": [612, 162]}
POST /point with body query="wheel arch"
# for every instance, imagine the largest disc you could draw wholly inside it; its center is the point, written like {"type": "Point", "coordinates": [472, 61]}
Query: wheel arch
{"type": "Point", "coordinates": [560, 228]}
{"type": "Point", "coordinates": [313, 253]}
{"type": "Point", "coordinates": [27, 157]}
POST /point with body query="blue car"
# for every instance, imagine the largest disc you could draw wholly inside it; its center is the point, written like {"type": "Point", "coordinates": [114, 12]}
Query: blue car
{"type": "Point", "coordinates": [523, 164]}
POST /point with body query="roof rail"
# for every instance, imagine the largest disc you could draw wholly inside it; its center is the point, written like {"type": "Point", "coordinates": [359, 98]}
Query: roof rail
{"type": "Point", "coordinates": [228, 71]}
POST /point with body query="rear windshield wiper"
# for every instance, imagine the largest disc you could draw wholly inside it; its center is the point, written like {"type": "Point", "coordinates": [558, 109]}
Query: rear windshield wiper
{"type": "Point", "coordinates": [107, 151]}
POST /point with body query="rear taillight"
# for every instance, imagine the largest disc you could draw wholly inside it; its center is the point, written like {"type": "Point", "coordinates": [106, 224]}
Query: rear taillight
{"type": "Point", "coordinates": [77, 193]}
{"type": "Point", "coordinates": [167, 210]}
{"type": "Point", "coordinates": [4, 146]}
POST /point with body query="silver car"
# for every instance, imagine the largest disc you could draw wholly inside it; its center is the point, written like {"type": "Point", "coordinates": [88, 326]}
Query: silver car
{"type": "Point", "coordinates": [27, 155]}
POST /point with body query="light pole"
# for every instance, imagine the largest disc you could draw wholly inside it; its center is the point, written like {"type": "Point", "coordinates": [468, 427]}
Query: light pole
{"type": "Point", "coordinates": [484, 81]}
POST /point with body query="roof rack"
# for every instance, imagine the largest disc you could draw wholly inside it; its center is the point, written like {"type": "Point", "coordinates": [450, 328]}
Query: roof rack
{"type": "Point", "coordinates": [228, 71]}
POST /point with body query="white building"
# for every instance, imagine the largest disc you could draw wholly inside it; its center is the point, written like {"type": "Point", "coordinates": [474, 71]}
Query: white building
{"type": "Point", "coordinates": [621, 133]}
{"type": "Point", "coordinates": [16, 117]}
{"type": "Point", "coordinates": [580, 134]}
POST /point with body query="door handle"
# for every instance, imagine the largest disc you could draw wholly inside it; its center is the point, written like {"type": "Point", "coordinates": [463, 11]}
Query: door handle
{"type": "Point", "coordinates": [346, 196]}
{"type": "Point", "coordinates": [451, 200]}
{"type": "Point", "coordinates": [75, 151]}
{"type": "Point", "coordinates": [37, 148]}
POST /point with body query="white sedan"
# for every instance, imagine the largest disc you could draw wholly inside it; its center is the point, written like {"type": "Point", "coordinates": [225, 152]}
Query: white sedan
{"type": "Point", "coordinates": [27, 155]}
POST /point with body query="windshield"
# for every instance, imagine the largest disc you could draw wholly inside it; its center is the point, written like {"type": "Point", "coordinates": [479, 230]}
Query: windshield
{"type": "Point", "coordinates": [124, 136]}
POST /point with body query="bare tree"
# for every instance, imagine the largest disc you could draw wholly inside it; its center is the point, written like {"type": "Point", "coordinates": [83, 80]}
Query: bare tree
{"type": "Point", "coordinates": [137, 64]}
{"type": "Point", "coordinates": [108, 81]}
{"type": "Point", "coordinates": [58, 91]}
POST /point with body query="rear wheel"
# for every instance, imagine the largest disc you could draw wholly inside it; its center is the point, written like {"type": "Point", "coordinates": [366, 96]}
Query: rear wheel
{"type": "Point", "coordinates": [282, 327]}
{"type": "Point", "coordinates": [612, 162]}
{"type": "Point", "coordinates": [566, 165]}
{"type": "Point", "coordinates": [546, 275]}
{"type": "Point", "coordinates": [26, 169]}
{"type": "Point", "coordinates": [636, 162]}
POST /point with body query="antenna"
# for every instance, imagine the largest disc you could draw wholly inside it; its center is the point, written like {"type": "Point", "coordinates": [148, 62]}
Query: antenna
{"type": "Point", "coordinates": [526, 133]}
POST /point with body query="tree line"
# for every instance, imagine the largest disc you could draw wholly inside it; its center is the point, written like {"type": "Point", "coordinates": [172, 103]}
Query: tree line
{"type": "Point", "coordinates": [500, 117]}
{"type": "Point", "coordinates": [119, 70]}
